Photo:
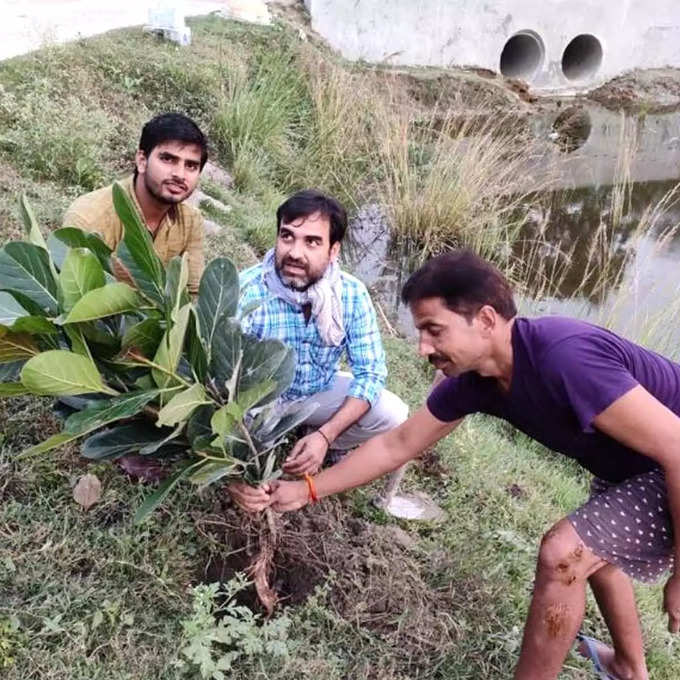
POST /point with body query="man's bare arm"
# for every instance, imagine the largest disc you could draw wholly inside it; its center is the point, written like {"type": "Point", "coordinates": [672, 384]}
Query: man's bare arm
{"type": "Point", "coordinates": [378, 456]}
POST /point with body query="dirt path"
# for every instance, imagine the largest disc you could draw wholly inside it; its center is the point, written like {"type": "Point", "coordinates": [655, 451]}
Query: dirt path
{"type": "Point", "coordinates": [26, 25]}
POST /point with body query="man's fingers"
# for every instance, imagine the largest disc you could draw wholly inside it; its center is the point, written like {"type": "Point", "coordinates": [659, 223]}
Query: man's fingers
{"type": "Point", "coordinates": [297, 449]}
{"type": "Point", "coordinates": [300, 465]}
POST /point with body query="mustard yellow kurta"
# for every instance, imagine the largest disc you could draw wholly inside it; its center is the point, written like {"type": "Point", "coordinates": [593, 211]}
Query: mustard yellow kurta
{"type": "Point", "coordinates": [181, 230]}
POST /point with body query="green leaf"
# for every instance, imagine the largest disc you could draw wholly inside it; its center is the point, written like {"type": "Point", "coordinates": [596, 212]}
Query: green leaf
{"type": "Point", "coordinates": [213, 471]}
{"type": "Point", "coordinates": [105, 411]}
{"type": "Point", "coordinates": [264, 360]}
{"type": "Point", "coordinates": [15, 318]}
{"type": "Point", "coordinates": [218, 294]}
{"type": "Point", "coordinates": [59, 372]}
{"type": "Point", "coordinates": [182, 405]}
{"type": "Point", "coordinates": [273, 427]}
{"type": "Point", "coordinates": [114, 298]}
{"type": "Point", "coordinates": [10, 371]}
{"type": "Point", "coordinates": [15, 346]}
{"type": "Point", "coordinates": [199, 423]}
{"type": "Point", "coordinates": [120, 440]}
{"type": "Point", "coordinates": [136, 250]}
{"type": "Point", "coordinates": [34, 325]}
{"type": "Point", "coordinates": [195, 350]}
{"type": "Point", "coordinates": [52, 443]}
{"type": "Point", "coordinates": [12, 389]}
{"type": "Point", "coordinates": [99, 413]}
{"type": "Point", "coordinates": [25, 269]}
{"type": "Point", "coordinates": [80, 273]}
{"type": "Point", "coordinates": [224, 421]}
{"type": "Point", "coordinates": [59, 241]}
{"type": "Point", "coordinates": [250, 397]}
{"type": "Point", "coordinates": [226, 351]}
{"type": "Point", "coordinates": [155, 447]}
{"type": "Point", "coordinates": [177, 277]}
{"type": "Point", "coordinates": [30, 223]}
{"type": "Point", "coordinates": [144, 337]}
{"type": "Point", "coordinates": [170, 350]}
{"type": "Point", "coordinates": [155, 499]}
{"type": "Point", "coordinates": [78, 344]}
{"type": "Point", "coordinates": [10, 310]}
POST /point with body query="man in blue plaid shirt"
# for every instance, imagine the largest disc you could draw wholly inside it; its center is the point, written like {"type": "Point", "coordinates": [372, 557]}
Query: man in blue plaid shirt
{"type": "Point", "coordinates": [307, 302]}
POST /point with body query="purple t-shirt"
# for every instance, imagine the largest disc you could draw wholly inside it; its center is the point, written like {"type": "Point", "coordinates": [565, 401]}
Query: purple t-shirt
{"type": "Point", "coordinates": [566, 372]}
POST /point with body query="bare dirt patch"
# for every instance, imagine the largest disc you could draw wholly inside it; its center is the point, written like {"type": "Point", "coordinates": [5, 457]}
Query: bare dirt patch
{"type": "Point", "coordinates": [649, 90]}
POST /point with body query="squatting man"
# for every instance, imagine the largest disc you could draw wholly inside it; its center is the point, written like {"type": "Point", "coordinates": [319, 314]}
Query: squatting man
{"type": "Point", "coordinates": [303, 298]}
{"type": "Point", "coordinates": [580, 390]}
{"type": "Point", "coordinates": [171, 155]}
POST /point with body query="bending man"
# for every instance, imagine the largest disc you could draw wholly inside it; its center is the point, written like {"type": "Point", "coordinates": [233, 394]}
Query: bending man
{"type": "Point", "coordinates": [580, 390]}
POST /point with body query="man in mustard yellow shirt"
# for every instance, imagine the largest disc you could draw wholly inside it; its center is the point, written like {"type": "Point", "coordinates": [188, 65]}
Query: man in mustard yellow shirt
{"type": "Point", "coordinates": [172, 152]}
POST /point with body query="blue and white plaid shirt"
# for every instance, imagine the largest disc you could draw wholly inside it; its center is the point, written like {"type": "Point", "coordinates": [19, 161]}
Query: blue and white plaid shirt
{"type": "Point", "coordinates": [317, 363]}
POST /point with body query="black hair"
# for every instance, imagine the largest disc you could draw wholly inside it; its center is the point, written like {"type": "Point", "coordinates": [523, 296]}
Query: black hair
{"type": "Point", "coordinates": [465, 282]}
{"type": "Point", "coordinates": [172, 127]}
{"type": "Point", "coordinates": [309, 201]}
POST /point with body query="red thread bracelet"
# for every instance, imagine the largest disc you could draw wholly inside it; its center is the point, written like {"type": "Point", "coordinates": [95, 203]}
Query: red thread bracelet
{"type": "Point", "coordinates": [310, 486]}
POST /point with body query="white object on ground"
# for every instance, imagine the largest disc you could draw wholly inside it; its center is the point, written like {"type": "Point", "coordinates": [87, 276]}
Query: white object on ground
{"type": "Point", "coordinates": [407, 506]}
{"type": "Point", "coordinates": [167, 18]}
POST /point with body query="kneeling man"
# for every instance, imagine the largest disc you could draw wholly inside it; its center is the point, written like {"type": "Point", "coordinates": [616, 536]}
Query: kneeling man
{"type": "Point", "coordinates": [306, 301]}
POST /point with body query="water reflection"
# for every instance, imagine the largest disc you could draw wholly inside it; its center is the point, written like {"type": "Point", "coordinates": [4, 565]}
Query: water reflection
{"type": "Point", "coordinates": [603, 190]}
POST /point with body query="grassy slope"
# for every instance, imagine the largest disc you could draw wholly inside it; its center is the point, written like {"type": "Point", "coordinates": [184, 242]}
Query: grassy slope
{"type": "Point", "coordinates": [88, 595]}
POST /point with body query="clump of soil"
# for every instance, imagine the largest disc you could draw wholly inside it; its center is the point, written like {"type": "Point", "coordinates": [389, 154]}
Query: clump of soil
{"type": "Point", "coordinates": [377, 579]}
{"type": "Point", "coordinates": [650, 90]}
{"type": "Point", "coordinates": [572, 128]}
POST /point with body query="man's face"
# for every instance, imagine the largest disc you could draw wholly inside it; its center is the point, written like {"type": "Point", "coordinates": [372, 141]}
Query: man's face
{"type": "Point", "coordinates": [171, 171]}
{"type": "Point", "coordinates": [448, 340]}
{"type": "Point", "coordinates": [303, 251]}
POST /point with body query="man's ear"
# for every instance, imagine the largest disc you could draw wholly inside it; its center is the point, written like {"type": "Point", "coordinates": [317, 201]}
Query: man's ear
{"type": "Point", "coordinates": [487, 317]}
{"type": "Point", "coordinates": [335, 251]}
{"type": "Point", "coordinates": [140, 161]}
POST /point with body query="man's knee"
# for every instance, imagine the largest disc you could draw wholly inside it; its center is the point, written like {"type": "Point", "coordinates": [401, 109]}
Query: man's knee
{"type": "Point", "coordinates": [387, 413]}
{"type": "Point", "coordinates": [563, 555]}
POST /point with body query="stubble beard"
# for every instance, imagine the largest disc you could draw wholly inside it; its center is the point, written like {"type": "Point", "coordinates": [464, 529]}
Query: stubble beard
{"type": "Point", "coordinates": [156, 191]}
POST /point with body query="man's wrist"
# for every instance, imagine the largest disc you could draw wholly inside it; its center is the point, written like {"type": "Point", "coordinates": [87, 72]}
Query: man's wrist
{"type": "Point", "coordinates": [329, 439]}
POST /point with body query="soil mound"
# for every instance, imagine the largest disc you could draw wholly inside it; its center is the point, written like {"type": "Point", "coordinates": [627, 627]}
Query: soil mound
{"type": "Point", "coordinates": [377, 575]}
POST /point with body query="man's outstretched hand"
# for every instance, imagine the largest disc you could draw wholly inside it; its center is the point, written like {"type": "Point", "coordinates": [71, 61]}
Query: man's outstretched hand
{"type": "Point", "coordinates": [287, 496]}
{"type": "Point", "coordinates": [250, 498]}
{"type": "Point", "coordinates": [307, 455]}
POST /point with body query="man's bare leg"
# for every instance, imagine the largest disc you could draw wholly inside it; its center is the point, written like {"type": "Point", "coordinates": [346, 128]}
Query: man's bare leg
{"type": "Point", "coordinates": [616, 600]}
{"type": "Point", "coordinates": [558, 603]}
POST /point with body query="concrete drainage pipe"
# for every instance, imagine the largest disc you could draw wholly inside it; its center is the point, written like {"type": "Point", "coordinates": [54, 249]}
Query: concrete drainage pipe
{"type": "Point", "coordinates": [582, 57]}
{"type": "Point", "coordinates": [522, 55]}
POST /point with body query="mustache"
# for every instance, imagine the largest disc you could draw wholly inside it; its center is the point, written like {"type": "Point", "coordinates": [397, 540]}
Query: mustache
{"type": "Point", "coordinates": [181, 185]}
{"type": "Point", "coordinates": [296, 263]}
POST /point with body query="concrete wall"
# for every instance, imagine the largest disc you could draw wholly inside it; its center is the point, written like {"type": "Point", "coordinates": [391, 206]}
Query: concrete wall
{"type": "Point", "coordinates": [622, 34]}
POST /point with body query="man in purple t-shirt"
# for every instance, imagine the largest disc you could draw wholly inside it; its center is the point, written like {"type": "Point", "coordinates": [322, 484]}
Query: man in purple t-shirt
{"type": "Point", "coordinates": [580, 390]}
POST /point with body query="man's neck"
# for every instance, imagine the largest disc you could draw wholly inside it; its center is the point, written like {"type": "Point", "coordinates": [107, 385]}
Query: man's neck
{"type": "Point", "coordinates": [499, 365]}
{"type": "Point", "coordinates": [153, 210]}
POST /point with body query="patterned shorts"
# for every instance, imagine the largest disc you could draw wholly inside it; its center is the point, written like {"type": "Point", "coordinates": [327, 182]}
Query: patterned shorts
{"type": "Point", "coordinates": [628, 524]}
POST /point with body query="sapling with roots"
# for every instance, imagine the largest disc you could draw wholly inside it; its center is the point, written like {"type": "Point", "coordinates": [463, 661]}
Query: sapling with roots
{"type": "Point", "coordinates": [143, 368]}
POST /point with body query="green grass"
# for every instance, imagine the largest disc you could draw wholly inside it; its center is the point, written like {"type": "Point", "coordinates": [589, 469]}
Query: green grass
{"type": "Point", "coordinates": [89, 595]}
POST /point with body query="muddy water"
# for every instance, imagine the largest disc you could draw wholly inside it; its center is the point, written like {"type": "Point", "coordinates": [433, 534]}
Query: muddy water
{"type": "Point", "coordinates": [593, 150]}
